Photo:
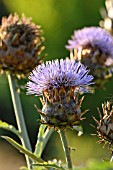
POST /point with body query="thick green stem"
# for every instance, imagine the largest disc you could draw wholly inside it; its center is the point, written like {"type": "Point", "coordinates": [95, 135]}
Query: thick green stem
{"type": "Point", "coordinates": [47, 136]}
{"type": "Point", "coordinates": [43, 137]}
{"type": "Point", "coordinates": [19, 116]}
{"type": "Point", "coordinates": [66, 148]}
{"type": "Point", "coordinates": [40, 140]}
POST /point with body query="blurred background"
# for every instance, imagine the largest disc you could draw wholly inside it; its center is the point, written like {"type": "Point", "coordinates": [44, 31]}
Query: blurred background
{"type": "Point", "coordinates": [58, 19]}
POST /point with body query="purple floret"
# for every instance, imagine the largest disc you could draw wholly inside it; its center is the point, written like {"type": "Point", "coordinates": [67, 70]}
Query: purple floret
{"type": "Point", "coordinates": [93, 36]}
{"type": "Point", "coordinates": [58, 74]}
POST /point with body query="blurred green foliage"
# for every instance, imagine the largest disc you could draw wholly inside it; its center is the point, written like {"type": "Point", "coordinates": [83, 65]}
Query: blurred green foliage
{"type": "Point", "coordinates": [96, 165]}
{"type": "Point", "coordinates": [59, 19]}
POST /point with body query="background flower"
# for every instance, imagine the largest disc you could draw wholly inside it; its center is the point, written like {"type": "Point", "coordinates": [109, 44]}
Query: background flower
{"type": "Point", "coordinates": [93, 46]}
{"type": "Point", "coordinates": [20, 45]}
{"type": "Point", "coordinates": [95, 37]}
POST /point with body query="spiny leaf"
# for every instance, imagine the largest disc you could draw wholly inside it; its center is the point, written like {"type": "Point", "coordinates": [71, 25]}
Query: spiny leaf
{"type": "Point", "coordinates": [23, 150]}
{"type": "Point", "coordinates": [10, 128]}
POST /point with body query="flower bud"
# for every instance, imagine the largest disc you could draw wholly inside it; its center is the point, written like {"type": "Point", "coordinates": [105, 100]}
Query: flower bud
{"type": "Point", "coordinates": [105, 124]}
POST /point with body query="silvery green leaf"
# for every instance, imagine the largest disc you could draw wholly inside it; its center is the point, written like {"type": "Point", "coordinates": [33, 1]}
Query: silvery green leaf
{"type": "Point", "coordinates": [10, 128]}
{"type": "Point", "coordinates": [22, 149]}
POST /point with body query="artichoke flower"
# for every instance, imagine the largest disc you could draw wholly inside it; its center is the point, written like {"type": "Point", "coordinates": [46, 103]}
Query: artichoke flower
{"type": "Point", "coordinates": [60, 83]}
{"type": "Point", "coordinates": [93, 46]}
{"type": "Point", "coordinates": [20, 45]}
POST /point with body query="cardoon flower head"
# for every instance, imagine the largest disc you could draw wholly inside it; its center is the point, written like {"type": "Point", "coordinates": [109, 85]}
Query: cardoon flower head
{"type": "Point", "coordinates": [93, 46]}
{"type": "Point", "coordinates": [20, 45]}
{"type": "Point", "coordinates": [60, 82]}
{"type": "Point", "coordinates": [105, 125]}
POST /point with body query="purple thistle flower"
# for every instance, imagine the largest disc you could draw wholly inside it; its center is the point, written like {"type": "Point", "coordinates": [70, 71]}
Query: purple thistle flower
{"type": "Point", "coordinates": [96, 37]}
{"type": "Point", "coordinates": [58, 81]}
{"type": "Point", "coordinates": [93, 46]}
{"type": "Point", "coordinates": [59, 74]}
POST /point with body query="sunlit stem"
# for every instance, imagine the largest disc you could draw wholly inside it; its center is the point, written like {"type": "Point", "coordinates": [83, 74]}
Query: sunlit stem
{"type": "Point", "coordinates": [42, 140]}
{"type": "Point", "coordinates": [65, 148]}
{"type": "Point", "coordinates": [19, 116]}
{"type": "Point", "coordinates": [47, 136]}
